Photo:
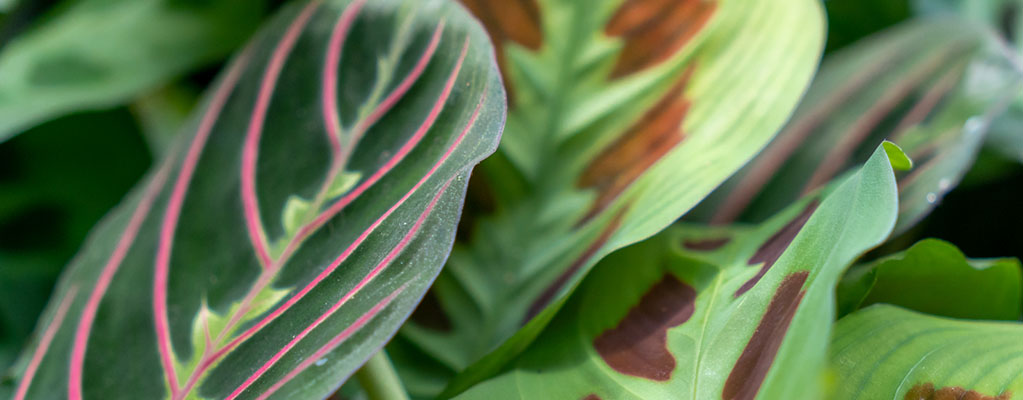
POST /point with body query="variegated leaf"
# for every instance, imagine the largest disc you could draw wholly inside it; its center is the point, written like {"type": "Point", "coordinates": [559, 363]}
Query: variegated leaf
{"type": "Point", "coordinates": [701, 312]}
{"type": "Point", "coordinates": [287, 237]}
{"type": "Point", "coordinates": [624, 114]}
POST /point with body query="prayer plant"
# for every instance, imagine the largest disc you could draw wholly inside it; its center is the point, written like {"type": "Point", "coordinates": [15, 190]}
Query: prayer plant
{"type": "Point", "coordinates": [529, 199]}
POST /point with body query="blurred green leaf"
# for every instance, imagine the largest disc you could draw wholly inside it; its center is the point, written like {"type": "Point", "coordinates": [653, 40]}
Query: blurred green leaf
{"type": "Point", "coordinates": [932, 86]}
{"type": "Point", "coordinates": [885, 352]}
{"type": "Point", "coordinates": [99, 53]}
{"type": "Point", "coordinates": [934, 277]}
{"type": "Point", "coordinates": [55, 183]}
{"type": "Point", "coordinates": [163, 113]}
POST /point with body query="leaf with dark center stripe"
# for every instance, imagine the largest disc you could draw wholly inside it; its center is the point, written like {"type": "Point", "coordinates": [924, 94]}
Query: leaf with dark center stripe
{"type": "Point", "coordinates": [623, 115]}
{"type": "Point", "coordinates": [888, 352]}
{"type": "Point", "coordinates": [295, 227]}
{"type": "Point", "coordinates": [931, 86]}
{"type": "Point", "coordinates": [660, 319]}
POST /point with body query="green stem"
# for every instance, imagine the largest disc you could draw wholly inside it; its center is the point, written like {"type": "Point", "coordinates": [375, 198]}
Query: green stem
{"type": "Point", "coordinates": [379, 379]}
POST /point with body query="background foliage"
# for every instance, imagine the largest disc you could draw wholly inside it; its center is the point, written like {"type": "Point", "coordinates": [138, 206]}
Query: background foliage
{"type": "Point", "coordinates": [61, 171]}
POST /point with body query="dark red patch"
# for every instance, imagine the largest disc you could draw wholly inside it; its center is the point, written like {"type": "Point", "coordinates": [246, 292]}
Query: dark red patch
{"type": "Point", "coordinates": [430, 314]}
{"type": "Point", "coordinates": [654, 30]}
{"type": "Point", "coordinates": [772, 249]}
{"type": "Point", "coordinates": [508, 20]}
{"type": "Point", "coordinates": [548, 294]}
{"type": "Point", "coordinates": [653, 136]}
{"type": "Point", "coordinates": [926, 391]}
{"type": "Point", "coordinates": [705, 244]}
{"type": "Point", "coordinates": [591, 397]}
{"type": "Point", "coordinates": [638, 345]}
{"type": "Point", "coordinates": [750, 370]}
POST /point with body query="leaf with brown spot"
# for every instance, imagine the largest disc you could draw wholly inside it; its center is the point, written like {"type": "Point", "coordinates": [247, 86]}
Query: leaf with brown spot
{"type": "Point", "coordinates": [888, 352]}
{"type": "Point", "coordinates": [626, 113]}
{"type": "Point", "coordinates": [664, 321]}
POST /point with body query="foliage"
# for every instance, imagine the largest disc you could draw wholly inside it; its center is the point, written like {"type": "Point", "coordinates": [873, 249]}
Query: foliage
{"type": "Point", "coordinates": [303, 221]}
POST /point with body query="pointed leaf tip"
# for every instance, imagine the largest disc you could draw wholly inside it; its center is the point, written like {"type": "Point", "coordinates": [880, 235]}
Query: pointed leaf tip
{"type": "Point", "coordinates": [900, 161]}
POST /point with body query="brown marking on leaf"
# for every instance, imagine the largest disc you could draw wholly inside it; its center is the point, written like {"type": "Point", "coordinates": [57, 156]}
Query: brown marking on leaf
{"type": "Point", "coordinates": [751, 368]}
{"type": "Point", "coordinates": [705, 244]}
{"type": "Point", "coordinates": [591, 396]}
{"type": "Point", "coordinates": [430, 314]}
{"type": "Point", "coordinates": [926, 391]}
{"type": "Point", "coordinates": [772, 249]}
{"type": "Point", "coordinates": [638, 346]}
{"type": "Point", "coordinates": [548, 294]}
{"type": "Point", "coordinates": [508, 20]}
{"type": "Point", "coordinates": [514, 20]}
{"type": "Point", "coordinates": [653, 136]}
{"type": "Point", "coordinates": [654, 30]}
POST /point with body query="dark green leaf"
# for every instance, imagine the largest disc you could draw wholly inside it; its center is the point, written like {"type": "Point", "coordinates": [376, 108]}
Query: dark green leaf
{"type": "Point", "coordinates": [308, 207]}
{"type": "Point", "coordinates": [934, 277]}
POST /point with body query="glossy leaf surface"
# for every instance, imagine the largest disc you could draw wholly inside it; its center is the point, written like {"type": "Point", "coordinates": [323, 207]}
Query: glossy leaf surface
{"type": "Point", "coordinates": [98, 53]}
{"type": "Point", "coordinates": [623, 115]}
{"type": "Point", "coordinates": [933, 86]}
{"type": "Point", "coordinates": [292, 230]}
{"type": "Point", "coordinates": [934, 277]}
{"type": "Point", "coordinates": [885, 352]}
{"type": "Point", "coordinates": [710, 312]}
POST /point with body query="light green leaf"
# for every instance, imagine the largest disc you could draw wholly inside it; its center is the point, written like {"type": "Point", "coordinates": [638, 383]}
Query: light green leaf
{"type": "Point", "coordinates": [885, 352]}
{"type": "Point", "coordinates": [710, 312]}
{"type": "Point", "coordinates": [612, 135]}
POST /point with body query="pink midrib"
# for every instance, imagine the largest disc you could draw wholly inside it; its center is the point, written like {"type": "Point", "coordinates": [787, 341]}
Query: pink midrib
{"type": "Point", "coordinates": [397, 250]}
{"type": "Point", "coordinates": [351, 248]}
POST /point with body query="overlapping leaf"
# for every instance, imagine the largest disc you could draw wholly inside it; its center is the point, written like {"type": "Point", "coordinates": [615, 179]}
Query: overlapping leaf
{"type": "Point", "coordinates": [923, 277]}
{"type": "Point", "coordinates": [286, 239]}
{"type": "Point", "coordinates": [885, 352]}
{"type": "Point", "coordinates": [710, 312]}
{"type": "Point", "coordinates": [932, 86]}
{"type": "Point", "coordinates": [624, 115]}
{"type": "Point", "coordinates": [97, 53]}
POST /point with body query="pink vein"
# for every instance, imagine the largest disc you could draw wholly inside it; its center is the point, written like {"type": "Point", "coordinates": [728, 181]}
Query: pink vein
{"type": "Point", "coordinates": [380, 110]}
{"type": "Point", "coordinates": [351, 248]}
{"type": "Point", "coordinates": [397, 250]}
{"type": "Point", "coordinates": [410, 79]}
{"type": "Point", "coordinates": [253, 221]}
{"type": "Point", "coordinates": [337, 39]}
{"type": "Point", "coordinates": [44, 344]}
{"type": "Point", "coordinates": [84, 328]}
{"type": "Point", "coordinates": [173, 212]}
{"type": "Point", "coordinates": [333, 343]}
{"type": "Point", "coordinates": [327, 214]}
{"type": "Point", "coordinates": [398, 156]}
